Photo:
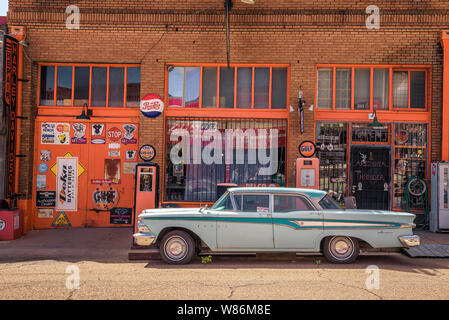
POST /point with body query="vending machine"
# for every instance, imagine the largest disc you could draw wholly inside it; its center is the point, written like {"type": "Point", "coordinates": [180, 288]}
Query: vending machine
{"type": "Point", "coordinates": [439, 213]}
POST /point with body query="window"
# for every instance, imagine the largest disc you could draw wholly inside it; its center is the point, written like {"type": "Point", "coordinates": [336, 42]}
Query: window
{"type": "Point", "coordinates": [94, 85]}
{"type": "Point", "coordinates": [369, 88]}
{"type": "Point", "coordinates": [240, 87]}
{"type": "Point", "coordinates": [202, 153]}
{"type": "Point", "coordinates": [287, 203]}
{"type": "Point", "coordinates": [328, 203]}
{"type": "Point", "coordinates": [253, 202]}
{"type": "Point", "coordinates": [224, 203]}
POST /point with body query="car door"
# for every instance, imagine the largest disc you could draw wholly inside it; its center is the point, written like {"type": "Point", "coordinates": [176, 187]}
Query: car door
{"type": "Point", "coordinates": [296, 222]}
{"type": "Point", "coordinates": [248, 226]}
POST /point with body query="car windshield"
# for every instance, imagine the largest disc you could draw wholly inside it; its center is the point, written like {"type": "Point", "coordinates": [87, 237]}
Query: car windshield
{"type": "Point", "coordinates": [223, 203]}
{"type": "Point", "coordinates": [328, 203]}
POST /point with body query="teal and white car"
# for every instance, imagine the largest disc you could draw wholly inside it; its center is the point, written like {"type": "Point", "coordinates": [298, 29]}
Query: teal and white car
{"type": "Point", "coordinates": [273, 220]}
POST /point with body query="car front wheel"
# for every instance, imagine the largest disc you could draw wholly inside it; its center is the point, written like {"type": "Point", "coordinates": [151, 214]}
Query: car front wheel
{"type": "Point", "coordinates": [341, 249]}
{"type": "Point", "coordinates": [177, 247]}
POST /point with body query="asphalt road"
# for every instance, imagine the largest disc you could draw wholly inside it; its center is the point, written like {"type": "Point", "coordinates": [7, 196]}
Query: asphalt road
{"type": "Point", "coordinates": [40, 267]}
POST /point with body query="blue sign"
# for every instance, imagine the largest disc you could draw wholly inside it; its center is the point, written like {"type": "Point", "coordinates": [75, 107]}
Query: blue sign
{"type": "Point", "coordinates": [42, 167]}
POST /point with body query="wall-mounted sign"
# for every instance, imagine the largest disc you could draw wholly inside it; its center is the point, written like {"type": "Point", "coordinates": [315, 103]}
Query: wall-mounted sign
{"type": "Point", "coordinates": [79, 130]}
{"type": "Point", "coordinates": [129, 134]}
{"type": "Point", "coordinates": [55, 133]}
{"type": "Point", "coordinates": [105, 197]}
{"type": "Point", "coordinates": [147, 152]}
{"type": "Point", "coordinates": [61, 221]}
{"type": "Point", "coordinates": [97, 135]}
{"type": "Point", "coordinates": [41, 181]}
{"type": "Point", "coordinates": [45, 155]}
{"type": "Point", "coordinates": [42, 167]}
{"type": "Point", "coordinates": [45, 199]}
{"type": "Point", "coordinates": [114, 134]}
{"type": "Point", "coordinates": [45, 213]}
{"type": "Point", "coordinates": [307, 149]}
{"type": "Point", "coordinates": [121, 215]}
{"type": "Point", "coordinates": [67, 183]}
{"type": "Point", "coordinates": [151, 105]}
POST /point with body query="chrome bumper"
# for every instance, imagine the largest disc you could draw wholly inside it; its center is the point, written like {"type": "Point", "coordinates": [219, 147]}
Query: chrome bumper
{"type": "Point", "coordinates": [409, 241]}
{"type": "Point", "coordinates": [144, 239]}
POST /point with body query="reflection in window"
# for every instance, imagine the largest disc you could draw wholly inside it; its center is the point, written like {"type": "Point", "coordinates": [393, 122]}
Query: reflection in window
{"type": "Point", "coordinates": [400, 89]}
{"type": "Point", "coordinates": [47, 93]}
{"type": "Point", "coordinates": [279, 88]}
{"type": "Point", "coordinates": [176, 87]}
{"type": "Point", "coordinates": [343, 89]}
{"type": "Point", "coordinates": [133, 87]}
{"type": "Point", "coordinates": [82, 84]}
{"type": "Point", "coordinates": [381, 85]}
{"type": "Point", "coordinates": [253, 203]}
{"type": "Point", "coordinates": [64, 86]}
{"type": "Point", "coordinates": [244, 87]}
{"type": "Point", "coordinates": [362, 89]}
{"type": "Point", "coordinates": [227, 87]}
{"type": "Point", "coordinates": [192, 87]}
{"type": "Point", "coordinates": [285, 203]}
{"type": "Point", "coordinates": [417, 89]}
{"type": "Point", "coordinates": [324, 99]}
{"type": "Point", "coordinates": [261, 87]}
{"type": "Point", "coordinates": [116, 86]}
{"type": "Point", "coordinates": [99, 82]}
{"type": "Point", "coordinates": [209, 87]}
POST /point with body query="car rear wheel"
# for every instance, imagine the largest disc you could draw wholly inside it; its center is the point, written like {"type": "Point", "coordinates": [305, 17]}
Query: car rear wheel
{"type": "Point", "coordinates": [177, 247]}
{"type": "Point", "coordinates": [341, 249]}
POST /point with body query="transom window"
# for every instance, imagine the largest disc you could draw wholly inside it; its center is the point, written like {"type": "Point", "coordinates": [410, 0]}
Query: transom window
{"type": "Point", "coordinates": [371, 88]}
{"type": "Point", "coordinates": [240, 87]}
{"type": "Point", "coordinates": [91, 84]}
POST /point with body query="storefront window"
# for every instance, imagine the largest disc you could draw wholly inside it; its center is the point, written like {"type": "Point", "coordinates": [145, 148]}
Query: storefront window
{"type": "Point", "coordinates": [343, 89]}
{"type": "Point", "coordinates": [116, 86]}
{"type": "Point", "coordinates": [418, 89]}
{"type": "Point", "coordinates": [362, 89]}
{"type": "Point", "coordinates": [410, 155]}
{"type": "Point", "coordinates": [324, 99]}
{"type": "Point", "coordinates": [202, 153]}
{"type": "Point", "coordinates": [332, 148]}
{"type": "Point", "coordinates": [64, 86]}
{"type": "Point", "coordinates": [209, 89]}
{"type": "Point", "coordinates": [99, 82]}
{"type": "Point", "coordinates": [176, 87]}
{"type": "Point", "coordinates": [47, 92]}
{"type": "Point", "coordinates": [192, 88]}
{"type": "Point", "coordinates": [82, 84]}
{"type": "Point", "coordinates": [244, 87]}
{"type": "Point", "coordinates": [227, 87]}
{"type": "Point", "coordinates": [363, 133]}
{"type": "Point", "coordinates": [279, 88]}
{"type": "Point", "coordinates": [380, 89]}
{"type": "Point", "coordinates": [261, 87]}
{"type": "Point", "coordinates": [133, 87]}
{"type": "Point", "coordinates": [400, 89]}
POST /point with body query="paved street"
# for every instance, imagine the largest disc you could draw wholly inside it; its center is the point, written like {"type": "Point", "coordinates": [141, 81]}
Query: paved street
{"type": "Point", "coordinates": [34, 267]}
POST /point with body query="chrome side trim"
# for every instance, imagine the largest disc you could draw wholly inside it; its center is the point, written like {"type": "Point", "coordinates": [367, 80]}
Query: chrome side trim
{"type": "Point", "coordinates": [407, 225]}
{"type": "Point", "coordinates": [410, 241]}
{"type": "Point", "coordinates": [144, 239]}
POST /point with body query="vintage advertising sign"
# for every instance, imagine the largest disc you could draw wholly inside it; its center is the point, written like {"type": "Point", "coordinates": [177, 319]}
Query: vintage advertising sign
{"type": "Point", "coordinates": [45, 213]}
{"type": "Point", "coordinates": [307, 149]}
{"type": "Point", "coordinates": [46, 199]}
{"type": "Point", "coordinates": [151, 105]}
{"type": "Point", "coordinates": [61, 221]}
{"type": "Point", "coordinates": [67, 183]}
{"type": "Point", "coordinates": [147, 152]}
{"type": "Point", "coordinates": [55, 133]}
{"type": "Point", "coordinates": [10, 54]}
{"type": "Point", "coordinates": [129, 138]}
{"type": "Point", "coordinates": [114, 134]}
{"type": "Point", "coordinates": [79, 130]}
{"type": "Point", "coordinates": [121, 216]}
{"type": "Point", "coordinates": [97, 134]}
{"type": "Point", "coordinates": [105, 197]}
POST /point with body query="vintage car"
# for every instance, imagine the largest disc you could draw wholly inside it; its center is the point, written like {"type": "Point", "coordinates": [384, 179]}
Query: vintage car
{"type": "Point", "coordinates": [273, 220]}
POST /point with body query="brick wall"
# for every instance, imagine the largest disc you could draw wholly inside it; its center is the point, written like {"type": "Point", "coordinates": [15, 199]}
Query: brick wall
{"type": "Point", "coordinates": [321, 38]}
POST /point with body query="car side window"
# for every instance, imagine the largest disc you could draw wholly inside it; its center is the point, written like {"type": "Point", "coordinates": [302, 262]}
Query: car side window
{"type": "Point", "coordinates": [253, 202]}
{"type": "Point", "coordinates": [224, 204]}
{"type": "Point", "coordinates": [289, 203]}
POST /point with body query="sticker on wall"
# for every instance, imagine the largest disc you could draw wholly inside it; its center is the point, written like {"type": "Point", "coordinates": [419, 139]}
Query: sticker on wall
{"type": "Point", "coordinates": [112, 169]}
{"type": "Point", "coordinates": [114, 153]}
{"type": "Point", "coordinates": [114, 134]}
{"type": "Point", "coordinates": [55, 133]}
{"type": "Point", "coordinates": [97, 134]}
{"type": "Point", "coordinates": [67, 183]}
{"type": "Point", "coordinates": [129, 167]}
{"type": "Point", "coordinates": [61, 221]}
{"type": "Point", "coordinates": [105, 197]}
{"type": "Point", "coordinates": [41, 181]}
{"type": "Point", "coordinates": [79, 133]}
{"type": "Point", "coordinates": [151, 105]}
{"type": "Point", "coordinates": [42, 167]}
{"type": "Point", "coordinates": [45, 199]}
{"type": "Point", "coordinates": [114, 146]}
{"type": "Point", "coordinates": [45, 155]}
{"type": "Point", "coordinates": [45, 213]}
{"type": "Point", "coordinates": [121, 216]}
{"type": "Point", "coordinates": [147, 152]}
{"type": "Point", "coordinates": [104, 181]}
{"type": "Point", "coordinates": [81, 168]}
{"type": "Point", "coordinates": [130, 155]}
{"type": "Point", "coordinates": [129, 134]}
{"type": "Point", "coordinates": [307, 149]}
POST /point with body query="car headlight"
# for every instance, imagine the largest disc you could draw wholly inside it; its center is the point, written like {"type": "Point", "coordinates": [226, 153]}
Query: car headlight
{"type": "Point", "coordinates": [142, 227]}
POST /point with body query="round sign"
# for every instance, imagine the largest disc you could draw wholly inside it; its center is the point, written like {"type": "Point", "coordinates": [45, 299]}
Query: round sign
{"type": "Point", "coordinates": [151, 105]}
{"type": "Point", "coordinates": [307, 149]}
{"type": "Point", "coordinates": [114, 134]}
{"type": "Point", "coordinates": [2, 225]}
{"type": "Point", "coordinates": [105, 197]}
{"type": "Point", "coordinates": [147, 152]}
{"type": "Point", "coordinates": [42, 167]}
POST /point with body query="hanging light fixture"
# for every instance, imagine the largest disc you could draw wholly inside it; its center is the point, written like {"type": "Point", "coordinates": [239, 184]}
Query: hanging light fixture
{"type": "Point", "coordinates": [83, 115]}
{"type": "Point", "coordinates": [375, 123]}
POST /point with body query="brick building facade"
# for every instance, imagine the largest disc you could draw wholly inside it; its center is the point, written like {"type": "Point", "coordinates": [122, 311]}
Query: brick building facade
{"type": "Point", "coordinates": [307, 38]}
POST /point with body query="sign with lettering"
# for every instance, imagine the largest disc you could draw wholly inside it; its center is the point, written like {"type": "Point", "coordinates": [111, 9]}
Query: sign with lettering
{"type": "Point", "coordinates": [10, 54]}
{"type": "Point", "coordinates": [121, 215]}
{"type": "Point", "coordinates": [46, 199]}
{"type": "Point", "coordinates": [151, 105]}
{"type": "Point", "coordinates": [307, 149]}
{"type": "Point", "coordinates": [67, 183]}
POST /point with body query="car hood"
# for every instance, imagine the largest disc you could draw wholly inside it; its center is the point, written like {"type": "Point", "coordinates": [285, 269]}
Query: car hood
{"type": "Point", "coordinates": [170, 212]}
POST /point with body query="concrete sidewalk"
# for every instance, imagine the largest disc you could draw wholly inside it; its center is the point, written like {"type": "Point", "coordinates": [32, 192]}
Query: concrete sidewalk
{"type": "Point", "coordinates": [99, 244]}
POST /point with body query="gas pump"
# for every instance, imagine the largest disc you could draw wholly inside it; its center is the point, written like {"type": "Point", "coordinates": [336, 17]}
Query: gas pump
{"type": "Point", "coordinates": [147, 189]}
{"type": "Point", "coordinates": [307, 168]}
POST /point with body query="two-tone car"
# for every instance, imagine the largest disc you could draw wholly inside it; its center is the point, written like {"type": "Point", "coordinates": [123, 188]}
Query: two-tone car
{"type": "Point", "coordinates": [273, 220]}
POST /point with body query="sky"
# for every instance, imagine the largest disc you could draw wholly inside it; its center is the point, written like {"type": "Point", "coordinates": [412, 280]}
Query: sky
{"type": "Point", "coordinates": [3, 7]}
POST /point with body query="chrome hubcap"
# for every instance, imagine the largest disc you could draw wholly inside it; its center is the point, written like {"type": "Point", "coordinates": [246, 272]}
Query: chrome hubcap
{"type": "Point", "coordinates": [341, 247]}
{"type": "Point", "coordinates": [176, 248]}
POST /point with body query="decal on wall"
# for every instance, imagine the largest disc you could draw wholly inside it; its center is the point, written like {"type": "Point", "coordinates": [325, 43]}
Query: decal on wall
{"type": "Point", "coordinates": [42, 167]}
{"type": "Point", "coordinates": [129, 167]}
{"type": "Point", "coordinates": [147, 152]}
{"type": "Point", "coordinates": [112, 169]}
{"type": "Point", "coordinates": [104, 181]}
{"type": "Point", "coordinates": [45, 213]}
{"type": "Point", "coordinates": [114, 146]}
{"type": "Point", "coordinates": [55, 133]}
{"type": "Point", "coordinates": [41, 181]}
{"type": "Point", "coordinates": [105, 197]}
{"type": "Point", "coordinates": [61, 221]}
{"type": "Point", "coordinates": [81, 168]}
{"type": "Point", "coordinates": [121, 216]}
{"type": "Point", "coordinates": [151, 105]}
{"type": "Point", "coordinates": [45, 155]}
{"type": "Point", "coordinates": [97, 134]}
{"type": "Point", "coordinates": [79, 133]}
{"type": "Point", "coordinates": [129, 134]}
{"type": "Point", "coordinates": [114, 153]}
{"type": "Point", "coordinates": [114, 134]}
{"type": "Point", "coordinates": [130, 155]}
{"type": "Point", "coordinates": [67, 183]}
{"type": "Point", "coordinates": [45, 199]}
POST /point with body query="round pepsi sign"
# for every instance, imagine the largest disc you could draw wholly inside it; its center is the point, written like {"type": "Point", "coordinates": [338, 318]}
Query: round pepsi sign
{"type": "Point", "coordinates": [151, 105]}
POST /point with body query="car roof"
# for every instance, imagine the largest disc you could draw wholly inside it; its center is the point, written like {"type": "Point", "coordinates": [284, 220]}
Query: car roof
{"type": "Point", "coordinates": [310, 192]}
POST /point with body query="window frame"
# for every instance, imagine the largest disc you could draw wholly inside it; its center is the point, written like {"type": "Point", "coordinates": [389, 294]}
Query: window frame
{"type": "Point", "coordinates": [234, 109]}
{"type": "Point", "coordinates": [391, 68]}
{"type": "Point", "coordinates": [91, 66]}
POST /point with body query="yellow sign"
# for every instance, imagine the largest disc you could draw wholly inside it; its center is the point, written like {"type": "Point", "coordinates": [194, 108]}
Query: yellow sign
{"type": "Point", "coordinates": [61, 221]}
{"type": "Point", "coordinates": [81, 169]}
